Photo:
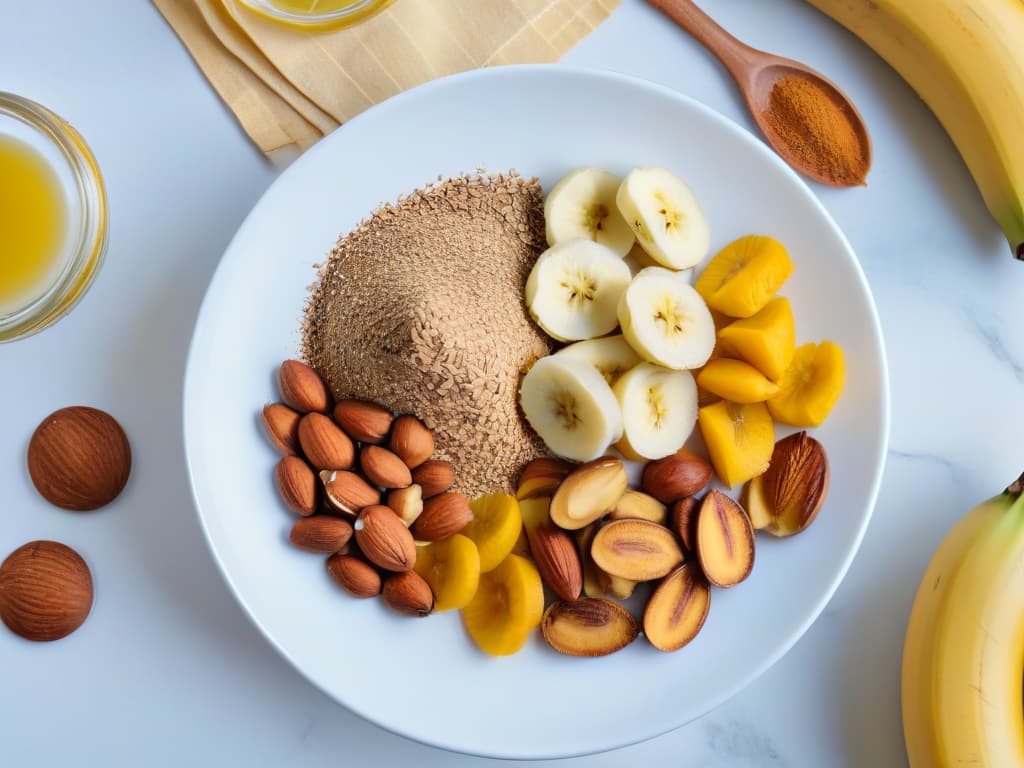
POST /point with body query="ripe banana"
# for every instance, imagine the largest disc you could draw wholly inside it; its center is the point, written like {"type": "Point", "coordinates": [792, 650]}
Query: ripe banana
{"type": "Point", "coordinates": [583, 205]}
{"type": "Point", "coordinates": [966, 60]}
{"type": "Point", "coordinates": [963, 657]}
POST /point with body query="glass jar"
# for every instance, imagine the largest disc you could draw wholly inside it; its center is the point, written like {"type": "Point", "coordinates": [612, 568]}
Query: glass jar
{"type": "Point", "coordinates": [80, 253]}
{"type": "Point", "coordinates": [337, 13]}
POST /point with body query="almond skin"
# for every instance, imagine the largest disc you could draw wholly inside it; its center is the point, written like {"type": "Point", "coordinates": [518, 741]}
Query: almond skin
{"type": "Point", "coordinates": [347, 492]}
{"type": "Point", "coordinates": [407, 503]}
{"type": "Point", "coordinates": [282, 426]}
{"type": "Point", "coordinates": [592, 626]}
{"type": "Point", "coordinates": [677, 608]}
{"type": "Point", "coordinates": [354, 575]}
{"type": "Point", "coordinates": [296, 484]}
{"type": "Point", "coordinates": [674, 477]}
{"type": "Point", "coordinates": [45, 591]}
{"type": "Point", "coordinates": [409, 594]}
{"type": "Point", "coordinates": [556, 557]}
{"type": "Point", "coordinates": [411, 441]}
{"type": "Point", "coordinates": [324, 444]}
{"type": "Point", "coordinates": [787, 498]}
{"type": "Point", "coordinates": [683, 521]}
{"type": "Point", "coordinates": [434, 476]}
{"type": "Point", "coordinates": [322, 533]}
{"type": "Point", "coordinates": [637, 550]}
{"type": "Point", "coordinates": [302, 388]}
{"type": "Point", "coordinates": [363, 421]}
{"type": "Point", "coordinates": [383, 468]}
{"type": "Point", "coordinates": [443, 516]}
{"type": "Point", "coordinates": [725, 540]}
{"type": "Point", "coordinates": [384, 540]}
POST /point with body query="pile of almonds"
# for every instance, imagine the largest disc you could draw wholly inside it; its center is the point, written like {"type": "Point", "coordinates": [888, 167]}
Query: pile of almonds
{"type": "Point", "coordinates": [592, 536]}
{"type": "Point", "coordinates": [364, 487]}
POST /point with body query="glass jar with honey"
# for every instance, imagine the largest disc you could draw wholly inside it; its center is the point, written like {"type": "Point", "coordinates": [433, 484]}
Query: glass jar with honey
{"type": "Point", "coordinates": [53, 217]}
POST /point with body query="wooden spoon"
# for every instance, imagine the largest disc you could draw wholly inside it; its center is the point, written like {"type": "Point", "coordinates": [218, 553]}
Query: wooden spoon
{"type": "Point", "coordinates": [756, 73]}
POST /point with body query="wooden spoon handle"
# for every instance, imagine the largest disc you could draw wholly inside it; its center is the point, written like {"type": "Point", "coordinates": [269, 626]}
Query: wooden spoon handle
{"type": "Point", "coordinates": [737, 57]}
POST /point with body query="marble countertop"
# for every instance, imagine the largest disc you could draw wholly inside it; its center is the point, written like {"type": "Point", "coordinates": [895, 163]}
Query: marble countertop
{"type": "Point", "coordinates": [168, 671]}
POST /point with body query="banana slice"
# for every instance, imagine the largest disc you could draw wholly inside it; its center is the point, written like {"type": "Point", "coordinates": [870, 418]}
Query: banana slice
{"type": "Point", "coordinates": [611, 355]}
{"type": "Point", "coordinates": [666, 320]}
{"type": "Point", "coordinates": [665, 216]}
{"type": "Point", "coordinates": [574, 289]}
{"type": "Point", "coordinates": [571, 407]}
{"type": "Point", "coordinates": [659, 411]}
{"type": "Point", "coordinates": [583, 205]}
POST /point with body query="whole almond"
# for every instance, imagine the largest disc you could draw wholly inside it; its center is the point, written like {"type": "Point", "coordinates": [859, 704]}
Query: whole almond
{"type": "Point", "coordinates": [45, 591]}
{"type": "Point", "coordinates": [725, 540]}
{"type": "Point", "coordinates": [683, 521]}
{"type": "Point", "coordinates": [677, 608]}
{"type": "Point", "coordinates": [556, 557]}
{"type": "Point", "coordinates": [296, 484]}
{"type": "Point", "coordinates": [282, 426]}
{"type": "Point", "coordinates": [408, 593]}
{"type": "Point", "coordinates": [682, 474]}
{"type": "Point", "coordinates": [79, 458]}
{"type": "Point", "coordinates": [588, 492]}
{"type": "Point", "coordinates": [383, 468]}
{"type": "Point", "coordinates": [787, 498]}
{"type": "Point", "coordinates": [443, 516]}
{"type": "Point", "coordinates": [637, 550]}
{"type": "Point", "coordinates": [411, 441]}
{"type": "Point", "coordinates": [384, 540]}
{"type": "Point", "coordinates": [541, 477]}
{"type": "Point", "coordinates": [434, 476]}
{"type": "Point", "coordinates": [347, 492]}
{"type": "Point", "coordinates": [302, 388]}
{"type": "Point", "coordinates": [362, 420]}
{"type": "Point", "coordinates": [321, 533]}
{"type": "Point", "coordinates": [354, 575]}
{"type": "Point", "coordinates": [592, 626]}
{"type": "Point", "coordinates": [324, 444]}
{"type": "Point", "coordinates": [407, 503]}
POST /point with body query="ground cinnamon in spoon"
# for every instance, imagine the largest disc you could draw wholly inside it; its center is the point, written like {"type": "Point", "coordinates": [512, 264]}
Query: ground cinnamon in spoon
{"type": "Point", "coordinates": [819, 130]}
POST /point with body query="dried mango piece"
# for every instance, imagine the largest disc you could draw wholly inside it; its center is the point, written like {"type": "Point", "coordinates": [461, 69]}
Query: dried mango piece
{"type": "Point", "coordinates": [766, 340]}
{"type": "Point", "coordinates": [745, 275]}
{"type": "Point", "coordinates": [740, 439]}
{"type": "Point", "coordinates": [507, 607]}
{"type": "Point", "coordinates": [452, 569]}
{"type": "Point", "coordinates": [810, 386]}
{"type": "Point", "coordinates": [735, 380]}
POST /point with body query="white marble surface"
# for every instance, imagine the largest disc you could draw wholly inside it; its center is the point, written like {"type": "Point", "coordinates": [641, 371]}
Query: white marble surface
{"type": "Point", "coordinates": [167, 671]}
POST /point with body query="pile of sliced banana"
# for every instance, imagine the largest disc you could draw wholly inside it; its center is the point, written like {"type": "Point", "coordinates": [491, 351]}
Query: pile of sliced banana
{"type": "Point", "coordinates": [633, 390]}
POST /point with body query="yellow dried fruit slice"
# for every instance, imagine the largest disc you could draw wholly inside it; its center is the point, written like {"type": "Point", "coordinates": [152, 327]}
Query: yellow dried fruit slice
{"type": "Point", "coordinates": [744, 275]}
{"type": "Point", "coordinates": [452, 569]}
{"type": "Point", "coordinates": [507, 607]}
{"type": "Point", "coordinates": [740, 439]}
{"type": "Point", "coordinates": [810, 386]}
{"type": "Point", "coordinates": [495, 527]}
{"type": "Point", "coordinates": [736, 380]}
{"type": "Point", "coordinates": [766, 340]}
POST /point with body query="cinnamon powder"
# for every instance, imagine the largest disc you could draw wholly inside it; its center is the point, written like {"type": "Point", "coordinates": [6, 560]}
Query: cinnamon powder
{"type": "Point", "coordinates": [818, 128]}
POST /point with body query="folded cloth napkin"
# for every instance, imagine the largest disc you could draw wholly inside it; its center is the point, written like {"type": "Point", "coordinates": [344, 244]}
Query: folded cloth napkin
{"type": "Point", "coordinates": [289, 87]}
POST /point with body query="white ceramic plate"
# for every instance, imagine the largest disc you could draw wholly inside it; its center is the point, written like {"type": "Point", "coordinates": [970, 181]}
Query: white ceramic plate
{"type": "Point", "coordinates": [423, 678]}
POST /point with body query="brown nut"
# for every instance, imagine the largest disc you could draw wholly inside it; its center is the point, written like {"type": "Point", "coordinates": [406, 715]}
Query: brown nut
{"type": "Point", "coordinates": [588, 492]}
{"type": "Point", "coordinates": [541, 477]}
{"type": "Point", "coordinates": [682, 519]}
{"type": "Point", "coordinates": [45, 591]}
{"type": "Point", "coordinates": [591, 626]}
{"type": "Point", "coordinates": [443, 516]}
{"type": "Point", "coordinates": [321, 533]}
{"type": "Point", "coordinates": [636, 505]}
{"type": "Point", "coordinates": [434, 476]}
{"type": "Point", "coordinates": [595, 581]}
{"type": "Point", "coordinates": [684, 473]}
{"type": "Point", "coordinates": [677, 608]}
{"type": "Point", "coordinates": [324, 444]}
{"type": "Point", "coordinates": [411, 441]}
{"type": "Point", "coordinates": [407, 503]}
{"type": "Point", "coordinates": [302, 388]}
{"type": "Point", "coordinates": [725, 540]}
{"type": "Point", "coordinates": [408, 593]}
{"type": "Point", "coordinates": [383, 468]}
{"type": "Point", "coordinates": [786, 499]}
{"type": "Point", "coordinates": [282, 426]}
{"type": "Point", "coordinates": [296, 484]}
{"type": "Point", "coordinates": [556, 557]}
{"type": "Point", "coordinates": [354, 575]}
{"type": "Point", "coordinates": [637, 550]}
{"type": "Point", "coordinates": [347, 492]}
{"type": "Point", "coordinates": [384, 539]}
{"type": "Point", "coordinates": [363, 421]}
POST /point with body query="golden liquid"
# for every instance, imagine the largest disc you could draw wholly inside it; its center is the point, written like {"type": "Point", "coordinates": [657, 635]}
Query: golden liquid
{"type": "Point", "coordinates": [33, 218]}
{"type": "Point", "coordinates": [312, 6]}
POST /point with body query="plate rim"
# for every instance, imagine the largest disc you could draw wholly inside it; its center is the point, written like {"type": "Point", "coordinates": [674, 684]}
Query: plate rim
{"type": "Point", "coordinates": [743, 134]}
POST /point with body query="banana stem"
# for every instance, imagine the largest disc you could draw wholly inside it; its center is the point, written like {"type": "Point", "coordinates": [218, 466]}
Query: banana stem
{"type": "Point", "coordinates": [1016, 488]}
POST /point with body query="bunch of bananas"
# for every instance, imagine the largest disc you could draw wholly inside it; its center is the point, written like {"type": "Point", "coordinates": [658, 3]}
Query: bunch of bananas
{"type": "Point", "coordinates": [965, 58]}
{"type": "Point", "coordinates": [963, 658]}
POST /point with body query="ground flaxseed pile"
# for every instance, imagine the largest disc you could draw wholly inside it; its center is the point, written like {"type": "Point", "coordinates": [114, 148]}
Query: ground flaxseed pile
{"type": "Point", "coordinates": [421, 310]}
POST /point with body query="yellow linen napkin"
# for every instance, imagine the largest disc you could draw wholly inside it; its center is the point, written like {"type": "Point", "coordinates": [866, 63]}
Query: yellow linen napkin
{"type": "Point", "coordinates": [289, 87]}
